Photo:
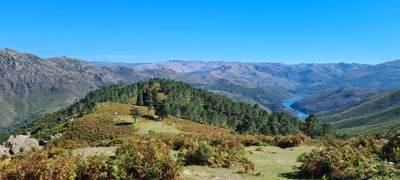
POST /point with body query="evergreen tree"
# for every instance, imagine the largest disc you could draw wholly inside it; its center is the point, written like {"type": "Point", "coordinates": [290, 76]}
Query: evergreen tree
{"type": "Point", "coordinates": [162, 109]}
{"type": "Point", "coordinates": [140, 99]}
{"type": "Point", "coordinates": [135, 112]}
{"type": "Point", "coordinates": [312, 126]}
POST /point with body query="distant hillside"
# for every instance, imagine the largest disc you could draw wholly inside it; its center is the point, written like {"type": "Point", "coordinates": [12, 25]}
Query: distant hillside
{"type": "Point", "coordinates": [335, 99]}
{"type": "Point", "coordinates": [373, 114]}
{"type": "Point", "coordinates": [31, 86]}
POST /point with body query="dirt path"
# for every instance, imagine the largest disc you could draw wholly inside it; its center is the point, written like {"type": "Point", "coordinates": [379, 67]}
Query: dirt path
{"type": "Point", "coordinates": [95, 151]}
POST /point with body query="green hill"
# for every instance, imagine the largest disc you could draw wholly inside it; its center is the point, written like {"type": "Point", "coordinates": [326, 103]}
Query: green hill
{"type": "Point", "coordinates": [374, 114]}
{"type": "Point", "coordinates": [162, 98]}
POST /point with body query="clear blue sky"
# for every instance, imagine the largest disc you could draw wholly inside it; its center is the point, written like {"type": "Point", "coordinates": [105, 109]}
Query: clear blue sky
{"type": "Point", "coordinates": [288, 31]}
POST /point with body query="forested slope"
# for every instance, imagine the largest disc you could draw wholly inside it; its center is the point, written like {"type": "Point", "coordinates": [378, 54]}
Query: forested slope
{"type": "Point", "coordinates": [172, 98]}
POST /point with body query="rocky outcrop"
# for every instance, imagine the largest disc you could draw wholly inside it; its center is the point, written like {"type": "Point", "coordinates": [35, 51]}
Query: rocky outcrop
{"type": "Point", "coordinates": [21, 143]}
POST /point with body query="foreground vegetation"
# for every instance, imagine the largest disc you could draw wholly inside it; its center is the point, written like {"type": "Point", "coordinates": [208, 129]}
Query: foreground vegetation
{"type": "Point", "coordinates": [185, 155]}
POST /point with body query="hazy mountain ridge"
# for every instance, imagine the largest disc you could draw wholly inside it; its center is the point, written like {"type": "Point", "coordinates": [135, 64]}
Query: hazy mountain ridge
{"type": "Point", "coordinates": [381, 76]}
{"type": "Point", "coordinates": [282, 75]}
{"type": "Point", "coordinates": [179, 66]}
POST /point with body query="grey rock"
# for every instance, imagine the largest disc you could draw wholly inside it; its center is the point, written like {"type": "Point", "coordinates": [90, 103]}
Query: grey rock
{"type": "Point", "coordinates": [4, 150]}
{"type": "Point", "coordinates": [21, 142]}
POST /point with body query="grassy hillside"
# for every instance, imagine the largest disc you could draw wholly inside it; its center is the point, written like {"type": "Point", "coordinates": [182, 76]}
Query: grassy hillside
{"type": "Point", "coordinates": [373, 114]}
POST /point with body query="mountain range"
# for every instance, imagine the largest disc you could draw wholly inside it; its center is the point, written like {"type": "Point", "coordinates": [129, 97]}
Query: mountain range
{"type": "Point", "coordinates": [289, 77]}
{"type": "Point", "coordinates": [31, 86]}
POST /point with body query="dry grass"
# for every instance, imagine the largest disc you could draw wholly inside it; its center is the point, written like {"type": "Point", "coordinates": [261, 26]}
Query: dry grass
{"type": "Point", "coordinates": [146, 126]}
{"type": "Point", "coordinates": [95, 151]}
{"type": "Point", "coordinates": [100, 125]}
{"type": "Point", "coordinates": [193, 127]}
{"type": "Point", "coordinates": [271, 163]}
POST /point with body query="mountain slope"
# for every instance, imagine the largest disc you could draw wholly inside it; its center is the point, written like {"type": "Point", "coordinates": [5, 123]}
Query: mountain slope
{"type": "Point", "coordinates": [31, 86]}
{"type": "Point", "coordinates": [380, 111]}
{"type": "Point", "coordinates": [334, 99]}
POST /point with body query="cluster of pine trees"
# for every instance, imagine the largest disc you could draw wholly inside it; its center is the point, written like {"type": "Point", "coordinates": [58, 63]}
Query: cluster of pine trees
{"type": "Point", "coordinates": [198, 105]}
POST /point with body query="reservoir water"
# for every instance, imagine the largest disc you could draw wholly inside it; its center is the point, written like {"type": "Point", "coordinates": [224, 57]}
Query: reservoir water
{"type": "Point", "coordinates": [289, 102]}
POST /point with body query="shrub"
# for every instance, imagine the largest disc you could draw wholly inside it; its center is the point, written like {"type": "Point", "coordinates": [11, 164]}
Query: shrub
{"type": "Point", "coordinates": [353, 159]}
{"type": "Point", "coordinates": [37, 165]}
{"type": "Point", "coordinates": [200, 153]}
{"type": "Point", "coordinates": [94, 167]}
{"type": "Point", "coordinates": [221, 152]}
{"type": "Point", "coordinates": [291, 140]}
{"type": "Point", "coordinates": [145, 160]}
{"type": "Point", "coordinates": [391, 150]}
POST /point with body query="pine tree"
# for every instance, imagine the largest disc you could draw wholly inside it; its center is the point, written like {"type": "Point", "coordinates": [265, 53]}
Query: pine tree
{"type": "Point", "coordinates": [312, 126]}
{"type": "Point", "coordinates": [135, 112]}
{"type": "Point", "coordinates": [140, 99]}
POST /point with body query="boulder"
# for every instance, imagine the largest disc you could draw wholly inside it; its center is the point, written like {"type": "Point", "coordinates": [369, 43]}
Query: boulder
{"type": "Point", "coordinates": [21, 142]}
{"type": "Point", "coordinates": [4, 150]}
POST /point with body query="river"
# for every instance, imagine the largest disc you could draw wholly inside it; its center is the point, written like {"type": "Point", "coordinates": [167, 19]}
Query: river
{"type": "Point", "coordinates": [289, 102]}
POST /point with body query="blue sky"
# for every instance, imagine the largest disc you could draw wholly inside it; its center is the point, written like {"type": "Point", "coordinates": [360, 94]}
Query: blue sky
{"type": "Point", "coordinates": [288, 31]}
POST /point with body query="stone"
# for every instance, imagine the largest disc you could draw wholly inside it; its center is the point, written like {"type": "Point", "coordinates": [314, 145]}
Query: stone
{"type": "Point", "coordinates": [4, 150]}
{"type": "Point", "coordinates": [21, 142]}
